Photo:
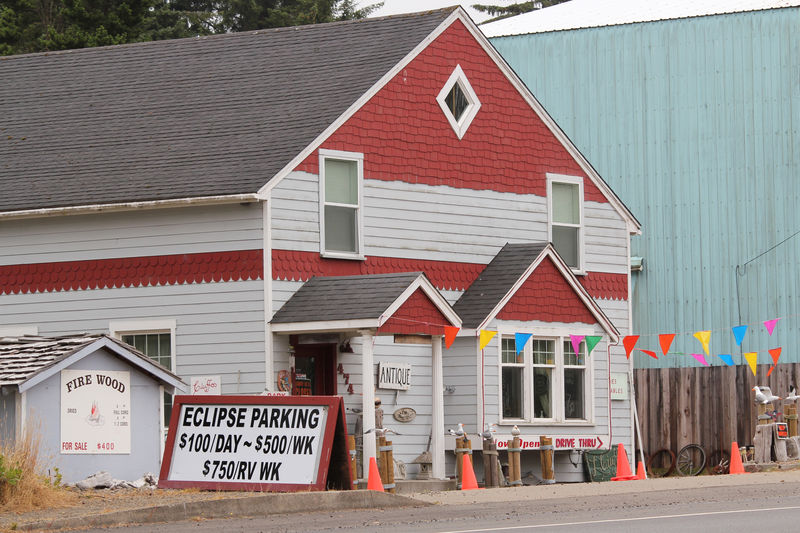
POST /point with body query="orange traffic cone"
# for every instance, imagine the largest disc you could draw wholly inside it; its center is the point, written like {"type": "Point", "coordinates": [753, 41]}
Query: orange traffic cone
{"type": "Point", "coordinates": [468, 481]}
{"type": "Point", "coordinates": [640, 473]}
{"type": "Point", "coordinates": [374, 481]}
{"type": "Point", "coordinates": [623, 466]}
{"type": "Point", "coordinates": [736, 460]}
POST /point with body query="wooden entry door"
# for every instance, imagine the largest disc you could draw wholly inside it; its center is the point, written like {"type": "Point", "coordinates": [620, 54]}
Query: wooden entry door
{"type": "Point", "coordinates": [314, 370]}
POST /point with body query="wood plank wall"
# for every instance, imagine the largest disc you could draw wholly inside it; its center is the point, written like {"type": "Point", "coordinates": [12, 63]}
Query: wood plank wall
{"type": "Point", "coordinates": [710, 406]}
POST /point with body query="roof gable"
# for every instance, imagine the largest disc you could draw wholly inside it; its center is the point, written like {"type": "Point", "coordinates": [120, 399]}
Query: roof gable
{"type": "Point", "coordinates": [521, 282]}
{"type": "Point", "coordinates": [200, 117]}
{"type": "Point", "coordinates": [370, 301]}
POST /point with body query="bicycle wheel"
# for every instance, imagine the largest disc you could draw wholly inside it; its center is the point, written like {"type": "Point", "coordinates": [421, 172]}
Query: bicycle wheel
{"type": "Point", "coordinates": [661, 463]}
{"type": "Point", "coordinates": [691, 460]}
{"type": "Point", "coordinates": [719, 462]}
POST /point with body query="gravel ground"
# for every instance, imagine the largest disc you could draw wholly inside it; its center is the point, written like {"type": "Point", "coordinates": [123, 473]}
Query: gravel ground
{"type": "Point", "coordinates": [93, 502]}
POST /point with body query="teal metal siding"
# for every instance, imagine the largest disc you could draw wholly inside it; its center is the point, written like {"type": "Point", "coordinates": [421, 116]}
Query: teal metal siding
{"type": "Point", "coordinates": [694, 123]}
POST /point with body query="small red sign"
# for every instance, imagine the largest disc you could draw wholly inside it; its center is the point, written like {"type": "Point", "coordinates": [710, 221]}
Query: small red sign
{"type": "Point", "coordinates": [783, 430]}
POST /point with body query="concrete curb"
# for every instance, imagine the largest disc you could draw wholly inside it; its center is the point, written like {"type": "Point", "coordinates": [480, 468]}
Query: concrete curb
{"type": "Point", "coordinates": [248, 506]}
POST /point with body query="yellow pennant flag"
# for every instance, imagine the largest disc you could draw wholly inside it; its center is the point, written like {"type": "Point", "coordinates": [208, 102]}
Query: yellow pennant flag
{"type": "Point", "coordinates": [703, 337]}
{"type": "Point", "coordinates": [751, 360]}
{"type": "Point", "coordinates": [486, 336]}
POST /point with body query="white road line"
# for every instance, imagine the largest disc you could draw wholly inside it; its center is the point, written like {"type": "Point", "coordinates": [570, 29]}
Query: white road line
{"type": "Point", "coordinates": [564, 524]}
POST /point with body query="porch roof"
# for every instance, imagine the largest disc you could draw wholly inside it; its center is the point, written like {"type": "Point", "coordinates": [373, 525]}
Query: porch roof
{"type": "Point", "coordinates": [353, 302]}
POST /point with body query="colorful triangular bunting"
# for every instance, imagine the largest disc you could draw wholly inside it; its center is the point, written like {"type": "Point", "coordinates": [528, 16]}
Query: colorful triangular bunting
{"type": "Point", "coordinates": [450, 333]}
{"type": "Point", "coordinates": [520, 339]}
{"type": "Point", "coordinates": [666, 341]}
{"type": "Point", "coordinates": [752, 358]}
{"type": "Point", "coordinates": [486, 336]}
{"type": "Point", "coordinates": [700, 358]}
{"type": "Point", "coordinates": [576, 342]}
{"type": "Point", "coordinates": [770, 370]}
{"type": "Point", "coordinates": [726, 358]}
{"type": "Point", "coordinates": [776, 354]}
{"type": "Point", "coordinates": [770, 325]}
{"type": "Point", "coordinates": [591, 342]}
{"type": "Point", "coordinates": [703, 337]}
{"type": "Point", "coordinates": [629, 342]}
{"type": "Point", "coordinates": [648, 352]}
{"type": "Point", "coordinates": [738, 333]}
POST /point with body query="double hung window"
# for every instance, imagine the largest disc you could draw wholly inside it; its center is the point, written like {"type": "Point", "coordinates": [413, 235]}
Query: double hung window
{"type": "Point", "coordinates": [341, 175]}
{"type": "Point", "coordinates": [546, 382]}
{"type": "Point", "coordinates": [566, 218]}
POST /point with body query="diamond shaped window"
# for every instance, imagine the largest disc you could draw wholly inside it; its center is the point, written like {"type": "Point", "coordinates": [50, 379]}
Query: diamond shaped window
{"type": "Point", "coordinates": [459, 102]}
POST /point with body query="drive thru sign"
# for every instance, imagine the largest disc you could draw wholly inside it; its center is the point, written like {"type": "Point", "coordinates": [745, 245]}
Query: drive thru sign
{"type": "Point", "coordinates": [256, 443]}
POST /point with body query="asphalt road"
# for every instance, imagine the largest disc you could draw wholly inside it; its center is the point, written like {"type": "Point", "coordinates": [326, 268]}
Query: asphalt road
{"type": "Point", "coordinates": [762, 508]}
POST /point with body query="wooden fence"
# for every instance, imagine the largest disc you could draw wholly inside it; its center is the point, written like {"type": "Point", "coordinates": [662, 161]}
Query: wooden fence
{"type": "Point", "coordinates": [709, 406]}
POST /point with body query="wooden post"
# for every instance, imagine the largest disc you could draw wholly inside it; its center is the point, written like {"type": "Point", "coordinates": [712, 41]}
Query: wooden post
{"type": "Point", "coordinates": [546, 457]}
{"type": "Point", "coordinates": [790, 414]}
{"type": "Point", "coordinates": [514, 470]}
{"type": "Point", "coordinates": [459, 461]}
{"type": "Point", "coordinates": [763, 418]}
{"type": "Point", "coordinates": [388, 461]}
{"type": "Point", "coordinates": [351, 450]}
{"type": "Point", "coordinates": [490, 476]}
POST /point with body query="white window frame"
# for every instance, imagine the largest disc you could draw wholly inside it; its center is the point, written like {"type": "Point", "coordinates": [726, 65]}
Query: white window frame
{"type": "Point", "coordinates": [569, 180]}
{"type": "Point", "coordinates": [461, 125]}
{"type": "Point", "coordinates": [343, 156]}
{"type": "Point", "coordinates": [526, 369]}
{"type": "Point", "coordinates": [118, 328]}
{"type": "Point", "coordinates": [559, 337]}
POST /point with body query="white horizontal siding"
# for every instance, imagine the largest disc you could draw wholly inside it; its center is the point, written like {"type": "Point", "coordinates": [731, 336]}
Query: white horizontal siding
{"type": "Point", "coordinates": [460, 373]}
{"type": "Point", "coordinates": [441, 223]}
{"type": "Point", "coordinates": [219, 326]}
{"type": "Point", "coordinates": [131, 234]}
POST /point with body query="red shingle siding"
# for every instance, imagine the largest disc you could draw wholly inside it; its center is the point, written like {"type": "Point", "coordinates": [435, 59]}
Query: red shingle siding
{"type": "Point", "coordinates": [546, 296]}
{"type": "Point", "coordinates": [131, 272]}
{"type": "Point", "coordinates": [605, 285]}
{"type": "Point", "coordinates": [301, 266]}
{"type": "Point", "coordinates": [417, 316]}
{"type": "Point", "coordinates": [405, 136]}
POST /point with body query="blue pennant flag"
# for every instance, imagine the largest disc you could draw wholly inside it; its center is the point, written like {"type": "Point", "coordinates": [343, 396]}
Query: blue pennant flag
{"type": "Point", "coordinates": [738, 332]}
{"type": "Point", "coordinates": [726, 358]}
{"type": "Point", "coordinates": [520, 339]}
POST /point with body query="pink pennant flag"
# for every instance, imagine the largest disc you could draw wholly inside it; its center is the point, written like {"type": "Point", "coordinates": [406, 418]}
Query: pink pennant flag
{"type": "Point", "coordinates": [700, 358]}
{"type": "Point", "coordinates": [650, 353]}
{"type": "Point", "coordinates": [576, 342]}
{"type": "Point", "coordinates": [770, 325]}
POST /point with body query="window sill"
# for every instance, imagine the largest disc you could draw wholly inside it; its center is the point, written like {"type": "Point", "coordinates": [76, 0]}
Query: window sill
{"type": "Point", "coordinates": [545, 423]}
{"type": "Point", "coordinates": [342, 255]}
{"type": "Point", "coordinates": [578, 272]}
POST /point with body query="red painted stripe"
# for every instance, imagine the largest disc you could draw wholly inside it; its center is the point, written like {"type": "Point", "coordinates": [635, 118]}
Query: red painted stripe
{"type": "Point", "coordinates": [247, 265]}
{"type": "Point", "coordinates": [132, 272]}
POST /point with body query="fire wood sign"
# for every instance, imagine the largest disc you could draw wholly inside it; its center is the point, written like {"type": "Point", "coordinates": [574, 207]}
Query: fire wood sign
{"type": "Point", "coordinates": [260, 443]}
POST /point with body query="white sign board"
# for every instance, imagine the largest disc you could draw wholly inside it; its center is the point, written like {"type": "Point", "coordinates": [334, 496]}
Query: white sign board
{"type": "Point", "coordinates": [278, 444]}
{"type": "Point", "coordinates": [394, 376]}
{"type": "Point", "coordinates": [206, 385]}
{"type": "Point", "coordinates": [96, 412]}
{"type": "Point", "coordinates": [560, 442]}
{"type": "Point", "coordinates": [619, 386]}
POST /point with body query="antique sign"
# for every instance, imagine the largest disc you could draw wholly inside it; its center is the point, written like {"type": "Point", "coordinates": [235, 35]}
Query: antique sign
{"type": "Point", "coordinates": [280, 443]}
{"type": "Point", "coordinates": [394, 376]}
{"type": "Point", "coordinates": [95, 412]}
{"type": "Point", "coordinates": [619, 386]}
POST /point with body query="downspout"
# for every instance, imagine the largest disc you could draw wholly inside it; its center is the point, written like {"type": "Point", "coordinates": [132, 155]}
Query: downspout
{"type": "Point", "coordinates": [269, 371]}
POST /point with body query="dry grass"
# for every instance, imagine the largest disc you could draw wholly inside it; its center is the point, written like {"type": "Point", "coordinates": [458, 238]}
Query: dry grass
{"type": "Point", "coordinates": [34, 489]}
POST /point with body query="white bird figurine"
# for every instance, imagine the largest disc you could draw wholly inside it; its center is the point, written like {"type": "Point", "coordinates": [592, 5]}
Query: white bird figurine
{"type": "Point", "coordinates": [764, 395]}
{"type": "Point", "coordinates": [515, 432]}
{"type": "Point", "coordinates": [793, 397]}
{"type": "Point", "coordinates": [381, 432]}
{"type": "Point", "coordinates": [459, 432]}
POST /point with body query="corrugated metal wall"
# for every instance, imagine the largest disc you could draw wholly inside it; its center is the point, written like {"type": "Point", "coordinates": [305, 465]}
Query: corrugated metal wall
{"type": "Point", "coordinates": [694, 123]}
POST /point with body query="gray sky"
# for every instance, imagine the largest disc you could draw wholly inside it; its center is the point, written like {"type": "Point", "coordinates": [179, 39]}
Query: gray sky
{"type": "Point", "coordinates": [393, 7]}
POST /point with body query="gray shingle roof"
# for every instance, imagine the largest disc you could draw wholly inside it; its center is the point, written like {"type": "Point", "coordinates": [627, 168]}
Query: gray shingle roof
{"type": "Point", "coordinates": [495, 281]}
{"type": "Point", "coordinates": [208, 116]}
{"type": "Point", "coordinates": [344, 297]}
{"type": "Point", "coordinates": [23, 357]}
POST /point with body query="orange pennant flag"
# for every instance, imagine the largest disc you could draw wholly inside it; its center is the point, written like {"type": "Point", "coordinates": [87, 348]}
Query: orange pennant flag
{"type": "Point", "coordinates": [776, 354]}
{"type": "Point", "coordinates": [486, 336]}
{"type": "Point", "coordinates": [752, 358]}
{"type": "Point", "coordinates": [648, 352]}
{"type": "Point", "coordinates": [770, 370]}
{"type": "Point", "coordinates": [629, 342]}
{"type": "Point", "coordinates": [666, 342]}
{"type": "Point", "coordinates": [450, 333]}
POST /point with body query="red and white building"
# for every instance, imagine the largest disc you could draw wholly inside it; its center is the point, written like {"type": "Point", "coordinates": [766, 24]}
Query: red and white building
{"type": "Point", "coordinates": [393, 176]}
